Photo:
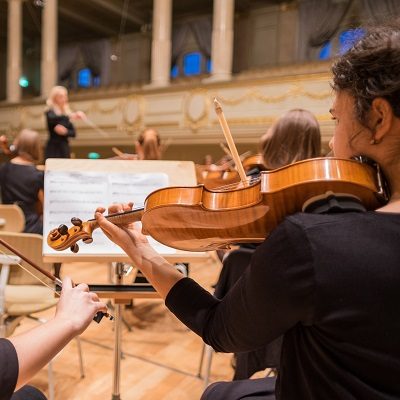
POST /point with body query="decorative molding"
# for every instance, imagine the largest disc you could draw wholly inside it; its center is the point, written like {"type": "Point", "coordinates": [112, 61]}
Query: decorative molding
{"type": "Point", "coordinates": [196, 109]}
{"type": "Point", "coordinates": [185, 111]}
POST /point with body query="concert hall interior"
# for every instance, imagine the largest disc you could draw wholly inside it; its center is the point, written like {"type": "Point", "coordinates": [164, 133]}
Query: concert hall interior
{"type": "Point", "coordinates": [199, 113]}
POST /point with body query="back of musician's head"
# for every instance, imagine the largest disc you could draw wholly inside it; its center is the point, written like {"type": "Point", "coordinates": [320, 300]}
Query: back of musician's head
{"type": "Point", "coordinates": [371, 69]}
{"type": "Point", "coordinates": [294, 137]}
{"type": "Point", "coordinates": [149, 145]}
{"type": "Point", "coordinates": [28, 146]}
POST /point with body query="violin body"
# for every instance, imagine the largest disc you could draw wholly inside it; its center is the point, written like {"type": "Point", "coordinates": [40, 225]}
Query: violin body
{"type": "Point", "coordinates": [202, 219]}
{"type": "Point", "coordinates": [214, 179]}
{"type": "Point", "coordinates": [254, 161]}
{"type": "Point", "coordinates": [199, 219]}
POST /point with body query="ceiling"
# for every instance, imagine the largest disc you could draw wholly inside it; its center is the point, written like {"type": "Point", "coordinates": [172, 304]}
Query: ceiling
{"type": "Point", "coordinates": [90, 19]}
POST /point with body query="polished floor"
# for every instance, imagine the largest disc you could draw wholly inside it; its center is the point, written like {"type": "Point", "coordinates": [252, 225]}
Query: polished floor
{"type": "Point", "coordinates": [160, 355]}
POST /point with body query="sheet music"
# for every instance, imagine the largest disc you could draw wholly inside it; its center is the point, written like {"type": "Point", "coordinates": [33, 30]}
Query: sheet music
{"type": "Point", "coordinates": [78, 194]}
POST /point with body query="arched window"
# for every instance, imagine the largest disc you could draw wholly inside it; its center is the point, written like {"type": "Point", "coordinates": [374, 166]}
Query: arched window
{"type": "Point", "coordinates": [174, 71]}
{"type": "Point", "coordinates": [85, 78]}
{"type": "Point", "coordinates": [348, 37]}
{"type": "Point", "coordinates": [325, 52]}
{"type": "Point", "coordinates": [340, 43]}
{"type": "Point", "coordinates": [192, 63]}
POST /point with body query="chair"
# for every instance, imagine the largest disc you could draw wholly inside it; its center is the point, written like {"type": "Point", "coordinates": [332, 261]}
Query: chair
{"type": "Point", "coordinates": [21, 295]}
{"type": "Point", "coordinates": [12, 218]}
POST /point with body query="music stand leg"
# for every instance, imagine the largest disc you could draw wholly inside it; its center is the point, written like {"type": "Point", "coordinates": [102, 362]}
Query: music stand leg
{"type": "Point", "coordinates": [117, 336]}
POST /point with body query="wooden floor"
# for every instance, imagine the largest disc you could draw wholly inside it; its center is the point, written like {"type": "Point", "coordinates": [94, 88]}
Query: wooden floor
{"type": "Point", "coordinates": [161, 356]}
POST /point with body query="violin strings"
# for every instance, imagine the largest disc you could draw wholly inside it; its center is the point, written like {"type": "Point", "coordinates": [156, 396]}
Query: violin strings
{"type": "Point", "coordinates": [237, 184]}
{"type": "Point", "coordinates": [30, 273]}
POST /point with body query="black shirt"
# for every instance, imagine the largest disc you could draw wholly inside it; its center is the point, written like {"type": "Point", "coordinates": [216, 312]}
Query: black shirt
{"type": "Point", "coordinates": [57, 146]}
{"type": "Point", "coordinates": [20, 184]}
{"type": "Point", "coordinates": [331, 285]}
{"type": "Point", "coordinates": [8, 369]}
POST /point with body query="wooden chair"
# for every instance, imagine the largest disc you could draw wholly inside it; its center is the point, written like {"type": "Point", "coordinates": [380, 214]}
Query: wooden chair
{"type": "Point", "coordinates": [21, 295]}
{"type": "Point", "coordinates": [12, 218]}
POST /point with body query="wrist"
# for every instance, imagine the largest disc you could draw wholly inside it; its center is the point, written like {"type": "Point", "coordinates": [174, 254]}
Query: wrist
{"type": "Point", "coordinates": [70, 328]}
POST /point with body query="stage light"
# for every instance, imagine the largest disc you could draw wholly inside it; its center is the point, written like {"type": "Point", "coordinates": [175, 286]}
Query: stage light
{"type": "Point", "coordinates": [23, 82]}
{"type": "Point", "coordinates": [93, 155]}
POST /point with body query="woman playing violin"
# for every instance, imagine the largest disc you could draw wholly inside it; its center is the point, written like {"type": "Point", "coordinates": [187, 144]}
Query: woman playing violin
{"type": "Point", "coordinates": [22, 183]}
{"type": "Point", "coordinates": [18, 363]}
{"type": "Point", "coordinates": [293, 137]}
{"type": "Point", "coordinates": [328, 282]}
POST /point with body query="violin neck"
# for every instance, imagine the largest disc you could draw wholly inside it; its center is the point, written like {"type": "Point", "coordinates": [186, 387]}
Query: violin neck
{"type": "Point", "coordinates": [123, 218]}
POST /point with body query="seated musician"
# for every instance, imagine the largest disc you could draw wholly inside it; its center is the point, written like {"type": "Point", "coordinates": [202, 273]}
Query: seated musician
{"type": "Point", "coordinates": [19, 362]}
{"type": "Point", "coordinates": [148, 145]}
{"type": "Point", "coordinates": [329, 283]}
{"type": "Point", "coordinates": [22, 183]}
{"type": "Point", "coordinates": [295, 136]}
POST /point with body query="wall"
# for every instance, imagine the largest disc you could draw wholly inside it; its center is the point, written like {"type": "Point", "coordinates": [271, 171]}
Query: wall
{"type": "Point", "coordinates": [185, 113]}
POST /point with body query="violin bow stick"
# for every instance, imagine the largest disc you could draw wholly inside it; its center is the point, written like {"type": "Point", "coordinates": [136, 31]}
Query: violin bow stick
{"type": "Point", "coordinates": [56, 280]}
{"type": "Point", "coordinates": [95, 127]}
{"type": "Point", "coordinates": [229, 140]}
{"type": "Point", "coordinates": [225, 149]}
{"type": "Point", "coordinates": [117, 151]}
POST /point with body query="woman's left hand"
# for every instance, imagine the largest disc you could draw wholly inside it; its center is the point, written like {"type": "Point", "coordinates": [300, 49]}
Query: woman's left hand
{"type": "Point", "coordinates": [128, 237]}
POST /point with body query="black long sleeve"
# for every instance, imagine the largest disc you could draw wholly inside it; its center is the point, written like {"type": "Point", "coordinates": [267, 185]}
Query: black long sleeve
{"type": "Point", "coordinates": [265, 303]}
{"type": "Point", "coordinates": [329, 284]}
{"type": "Point", "coordinates": [8, 369]}
{"type": "Point", "coordinates": [54, 119]}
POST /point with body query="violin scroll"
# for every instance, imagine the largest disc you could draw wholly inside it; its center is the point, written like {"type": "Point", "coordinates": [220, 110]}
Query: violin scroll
{"type": "Point", "coordinates": [61, 238]}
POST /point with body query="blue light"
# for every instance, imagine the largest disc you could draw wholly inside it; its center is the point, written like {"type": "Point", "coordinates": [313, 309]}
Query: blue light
{"type": "Point", "coordinates": [348, 37]}
{"type": "Point", "coordinates": [192, 64]}
{"type": "Point", "coordinates": [84, 77]}
{"type": "Point", "coordinates": [325, 52]}
{"type": "Point", "coordinates": [209, 65]}
{"type": "Point", "coordinates": [174, 71]}
{"type": "Point", "coordinates": [93, 155]}
{"type": "Point", "coordinates": [23, 82]}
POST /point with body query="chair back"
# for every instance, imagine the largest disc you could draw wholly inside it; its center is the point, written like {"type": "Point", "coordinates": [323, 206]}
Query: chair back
{"type": "Point", "coordinates": [12, 218]}
{"type": "Point", "coordinates": [30, 245]}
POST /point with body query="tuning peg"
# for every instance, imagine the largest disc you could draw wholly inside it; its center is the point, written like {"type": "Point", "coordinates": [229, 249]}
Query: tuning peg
{"type": "Point", "coordinates": [88, 240]}
{"type": "Point", "coordinates": [75, 248]}
{"type": "Point", "coordinates": [76, 221]}
{"type": "Point", "coordinates": [63, 229]}
{"type": "Point", "coordinates": [54, 234]}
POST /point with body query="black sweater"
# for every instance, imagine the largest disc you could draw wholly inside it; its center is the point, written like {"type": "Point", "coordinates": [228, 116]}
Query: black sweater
{"type": "Point", "coordinates": [8, 369]}
{"type": "Point", "coordinates": [331, 285]}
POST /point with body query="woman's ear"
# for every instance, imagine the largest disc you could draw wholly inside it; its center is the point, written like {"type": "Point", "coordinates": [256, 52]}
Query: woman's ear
{"type": "Point", "coordinates": [381, 118]}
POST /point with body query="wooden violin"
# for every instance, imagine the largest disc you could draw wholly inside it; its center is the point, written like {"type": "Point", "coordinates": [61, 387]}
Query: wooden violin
{"type": "Point", "coordinates": [200, 219]}
{"type": "Point", "coordinates": [254, 161]}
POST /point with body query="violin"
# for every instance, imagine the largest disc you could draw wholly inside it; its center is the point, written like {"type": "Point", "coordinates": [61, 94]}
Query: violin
{"type": "Point", "coordinates": [254, 161]}
{"type": "Point", "coordinates": [216, 178]}
{"type": "Point", "coordinates": [200, 219]}
{"type": "Point", "coordinates": [5, 148]}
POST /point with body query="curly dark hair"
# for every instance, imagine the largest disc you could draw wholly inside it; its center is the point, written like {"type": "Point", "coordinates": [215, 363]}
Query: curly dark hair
{"type": "Point", "coordinates": [371, 69]}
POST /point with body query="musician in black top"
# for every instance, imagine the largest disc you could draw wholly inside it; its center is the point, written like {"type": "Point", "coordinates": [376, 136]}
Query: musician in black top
{"type": "Point", "coordinates": [19, 363]}
{"type": "Point", "coordinates": [21, 183]}
{"type": "Point", "coordinates": [329, 283]}
{"type": "Point", "coordinates": [59, 123]}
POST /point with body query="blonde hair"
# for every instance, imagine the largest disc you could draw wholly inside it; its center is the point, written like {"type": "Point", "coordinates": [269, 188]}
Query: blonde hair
{"type": "Point", "coordinates": [51, 104]}
{"type": "Point", "coordinates": [28, 146]}
{"type": "Point", "coordinates": [294, 137]}
{"type": "Point", "coordinates": [150, 143]}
